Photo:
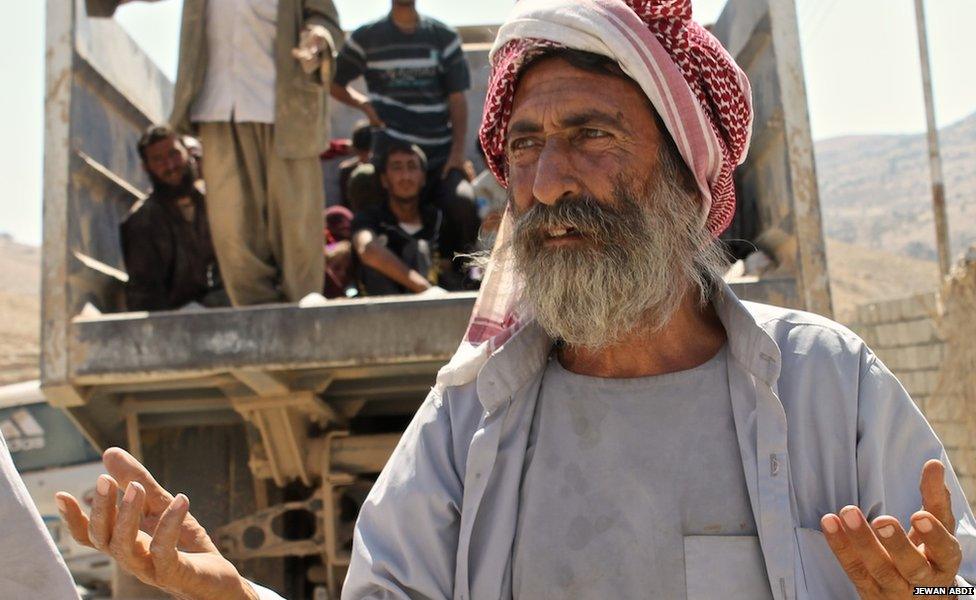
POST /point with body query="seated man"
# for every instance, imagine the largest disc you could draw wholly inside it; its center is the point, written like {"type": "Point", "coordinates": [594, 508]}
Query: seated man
{"type": "Point", "coordinates": [398, 241]}
{"type": "Point", "coordinates": [166, 237]}
{"type": "Point", "coordinates": [416, 75]}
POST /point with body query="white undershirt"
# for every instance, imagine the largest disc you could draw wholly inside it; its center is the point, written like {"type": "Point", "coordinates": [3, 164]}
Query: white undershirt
{"type": "Point", "coordinates": [240, 79]}
{"type": "Point", "coordinates": [620, 472]}
{"type": "Point", "coordinates": [411, 228]}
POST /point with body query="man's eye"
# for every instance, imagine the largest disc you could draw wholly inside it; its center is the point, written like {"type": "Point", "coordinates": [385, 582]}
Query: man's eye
{"type": "Point", "coordinates": [522, 143]}
{"type": "Point", "coordinates": [593, 134]}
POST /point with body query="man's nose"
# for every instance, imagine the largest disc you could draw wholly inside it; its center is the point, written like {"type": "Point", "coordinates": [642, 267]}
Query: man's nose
{"type": "Point", "coordinates": [555, 177]}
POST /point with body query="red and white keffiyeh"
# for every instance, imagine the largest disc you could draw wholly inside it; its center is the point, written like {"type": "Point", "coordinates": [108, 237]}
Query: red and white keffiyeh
{"type": "Point", "coordinates": [702, 96]}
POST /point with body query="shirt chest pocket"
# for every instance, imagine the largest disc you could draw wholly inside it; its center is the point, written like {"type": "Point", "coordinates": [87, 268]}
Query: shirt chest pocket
{"type": "Point", "coordinates": [823, 575]}
{"type": "Point", "coordinates": [726, 567]}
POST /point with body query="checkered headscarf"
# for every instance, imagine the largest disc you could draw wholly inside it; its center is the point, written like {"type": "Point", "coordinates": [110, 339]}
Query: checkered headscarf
{"type": "Point", "coordinates": [702, 96]}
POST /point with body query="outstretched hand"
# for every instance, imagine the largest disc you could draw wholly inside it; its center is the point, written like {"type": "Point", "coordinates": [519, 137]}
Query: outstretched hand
{"type": "Point", "coordinates": [151, 533]}
{"type": "Point", "coordinates": [885, 562]}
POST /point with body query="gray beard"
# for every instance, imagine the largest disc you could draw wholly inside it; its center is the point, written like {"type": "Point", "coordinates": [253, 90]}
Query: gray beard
{"type": "Point", "coordinates": [640, 255]}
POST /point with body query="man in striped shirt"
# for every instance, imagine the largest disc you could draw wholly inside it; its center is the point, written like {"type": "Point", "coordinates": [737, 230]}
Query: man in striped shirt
{"type": "Point", "coordinates": [416, 76]}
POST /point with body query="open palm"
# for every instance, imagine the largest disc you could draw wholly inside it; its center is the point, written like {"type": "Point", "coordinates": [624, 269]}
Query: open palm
{"type": "Point", "coordinates": [151, 533]}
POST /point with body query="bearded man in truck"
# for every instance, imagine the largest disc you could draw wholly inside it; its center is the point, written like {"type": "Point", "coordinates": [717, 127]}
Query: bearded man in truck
{"type": "Point", "coordinates": [616, 422]}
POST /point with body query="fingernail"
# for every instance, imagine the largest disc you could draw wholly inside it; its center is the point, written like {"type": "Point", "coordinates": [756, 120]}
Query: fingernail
{"type": "Point", "coordinates": [887, 531]}
{"type": "Point", "coordinates": [130, 493]}
{"type": "Point", "coordinates": [851, 518]}
{"type": "Point", "coordinates": [102, 484]}
{"type": "Point", "coordinates": [180, 502]}
{"type": "Point", "coordinates": [924, 525]}
{"type": "Point", "coordinates": [62, 506]}
{"type": "Point", "coordinates": [830, 525]}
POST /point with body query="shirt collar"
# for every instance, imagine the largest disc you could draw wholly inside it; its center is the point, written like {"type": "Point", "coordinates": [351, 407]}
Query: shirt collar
{"type": "Point", "coordinates": [523, 356]}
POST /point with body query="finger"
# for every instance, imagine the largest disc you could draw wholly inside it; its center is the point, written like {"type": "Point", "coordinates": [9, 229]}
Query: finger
{"type": "Point", "coordinates": [125, 469]}
{"type": "Point", "coordinates": [908, 559]}
{"type": "Point", "coordinates": [870, 551]}
{"type": "Point", "coordinates": [74, 517]}
{"type": "Point", "coordinates": [103, 512]}
{"type": "Point", "coordinates": [936, 497]}
{"type": "Point", "coordinates": [124, 546]}
{"type": "Point", "coordinates": [941, 547]}
{"type": "Point", "coordinates": [847, 556]}
{"type": "Point", "coordinates": [163, 550]}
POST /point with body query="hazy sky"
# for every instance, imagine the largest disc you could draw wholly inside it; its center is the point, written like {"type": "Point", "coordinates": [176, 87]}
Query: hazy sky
{"type": "Point", "coordinates": [860, 58]}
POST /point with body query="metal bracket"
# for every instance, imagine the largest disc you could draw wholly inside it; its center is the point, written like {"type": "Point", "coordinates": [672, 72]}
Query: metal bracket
{"type": "Point", "coordinates": [281, 417]}
{"type": "Point", "coordinates": [255, 535]}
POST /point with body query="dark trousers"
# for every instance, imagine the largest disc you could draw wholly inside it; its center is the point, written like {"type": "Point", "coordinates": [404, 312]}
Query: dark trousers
{"type": "Point", "coordinates": [454, 196]}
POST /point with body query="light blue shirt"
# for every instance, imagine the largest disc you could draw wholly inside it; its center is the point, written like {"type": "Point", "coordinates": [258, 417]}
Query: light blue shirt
{"type": "Point", "coordinates": [820, 423]}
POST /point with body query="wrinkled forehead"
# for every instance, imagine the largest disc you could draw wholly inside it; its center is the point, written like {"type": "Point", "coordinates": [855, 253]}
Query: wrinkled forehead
{"type": "Point", "coordinates": [563, 89]}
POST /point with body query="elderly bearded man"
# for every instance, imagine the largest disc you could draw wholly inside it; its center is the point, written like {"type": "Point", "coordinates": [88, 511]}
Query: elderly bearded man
{"type": "Point", "coordinates": [617, 424]}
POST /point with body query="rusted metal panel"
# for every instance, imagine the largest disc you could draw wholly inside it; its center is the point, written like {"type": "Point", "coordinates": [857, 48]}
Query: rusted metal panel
{"type": "Point", "coordinates": [102, 92]}
{"type": "Point", "coordinates": [275, 337]}
{"type": "Point", "coordinates": [811, 250]}
{"type": "Point", "coordinates": [779, 176]}
{"type": "Point", "coordinates": [57, 102]}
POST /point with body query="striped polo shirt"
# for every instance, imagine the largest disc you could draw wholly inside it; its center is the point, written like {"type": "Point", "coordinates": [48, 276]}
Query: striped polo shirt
{"type": "Point", "coordinates": [409, 77]}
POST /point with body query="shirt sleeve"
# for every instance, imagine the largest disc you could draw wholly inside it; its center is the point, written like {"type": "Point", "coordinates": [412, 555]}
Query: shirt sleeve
{"type": "Point", "coordinates": [454, 67]}
{"type": "Point", "coordinates": [894, 441]}
{"type": "Point", "coordinates": [351, 61]}
{"type": "Point", "coordinates": [30, 565]}
{"type": "Point", "coordinates": [263, 592]}
{"type": "Point", "coordinates": [145, 266]}
{"type": "Point", "coordinates": [405, 541]}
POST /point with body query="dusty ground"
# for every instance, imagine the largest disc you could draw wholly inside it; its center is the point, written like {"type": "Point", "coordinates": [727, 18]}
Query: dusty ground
{"type": "Point", "coordinates": [859, 275]}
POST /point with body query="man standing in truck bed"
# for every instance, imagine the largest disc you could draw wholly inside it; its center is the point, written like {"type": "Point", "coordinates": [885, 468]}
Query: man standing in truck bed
{"type": "Point", "coordinates": [249, 86]}
{"type": "Point", "coordinates": [416, 75]}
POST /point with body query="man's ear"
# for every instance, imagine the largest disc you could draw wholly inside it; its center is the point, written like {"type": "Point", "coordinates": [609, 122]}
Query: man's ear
{"type": "Point", "coordinates": [385, 182]}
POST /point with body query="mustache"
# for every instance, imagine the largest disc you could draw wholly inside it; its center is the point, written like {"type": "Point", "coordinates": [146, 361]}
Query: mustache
{"type": "Point", "coordinates": [584, 213]}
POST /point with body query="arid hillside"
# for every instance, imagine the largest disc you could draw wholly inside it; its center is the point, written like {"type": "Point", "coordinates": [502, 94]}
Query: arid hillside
{"type": "Point", "coordinates": [20, 273]}
{"type": "Point", "coordinates": [875, 191]}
